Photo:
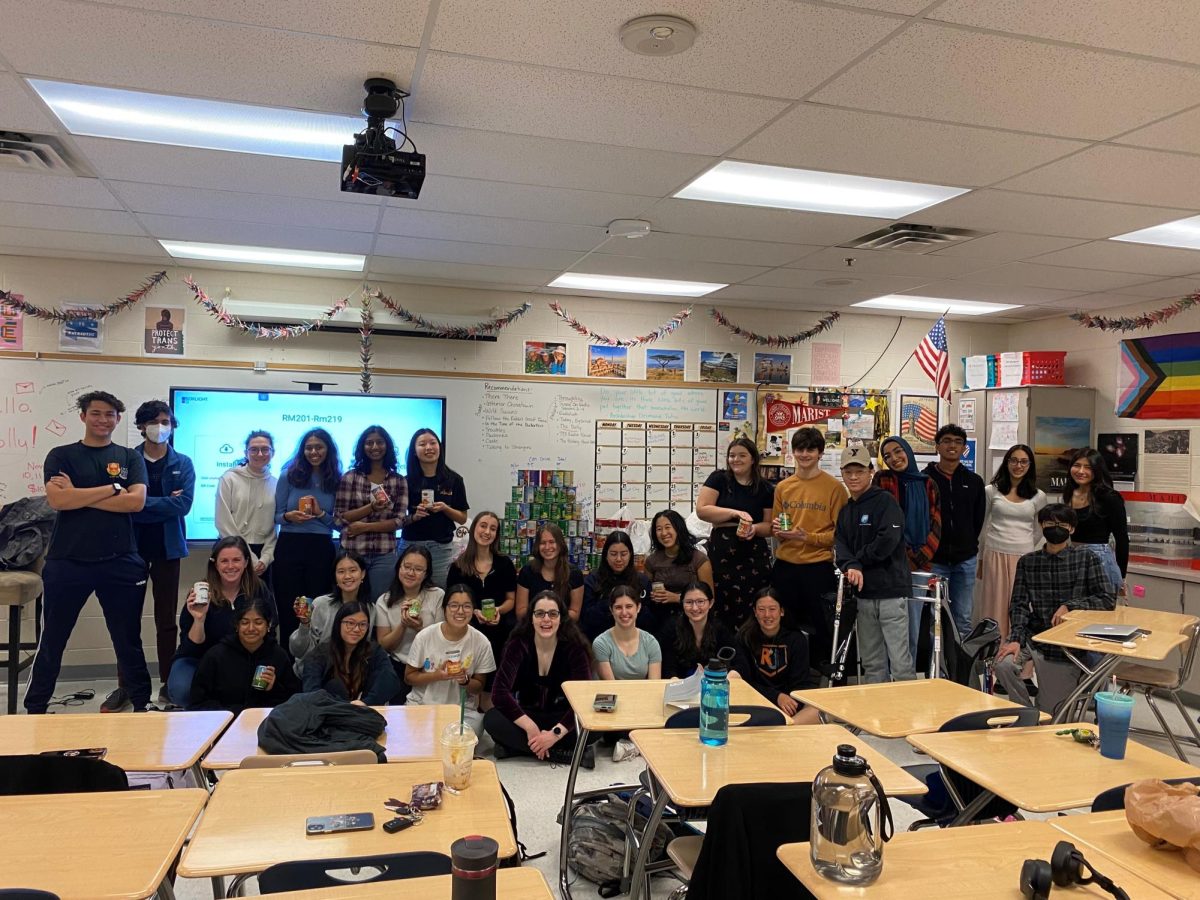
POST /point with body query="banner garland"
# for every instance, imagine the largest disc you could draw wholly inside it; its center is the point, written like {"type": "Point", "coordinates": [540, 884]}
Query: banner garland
{"type": "Point", "coordinates": [657, 334]}
{"type": "Point", "coordinates": [364, 344]}
{"type": "Point", "coordinates": [1137, 323]}
{"type": "Point", "coordinates": [89, 312]}
{"type": "Point", "coordinates": [443, 330]}
{"type": "Point", "coordinates": [775, 340]}
{"type": "Point", "coordinates": [274, 333]}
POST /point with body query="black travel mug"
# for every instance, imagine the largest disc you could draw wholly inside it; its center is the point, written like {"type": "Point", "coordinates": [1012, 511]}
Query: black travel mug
{"type": "Point", "coordinates": [473, 868]}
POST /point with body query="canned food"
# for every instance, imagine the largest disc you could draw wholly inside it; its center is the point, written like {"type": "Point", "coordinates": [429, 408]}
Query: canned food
{"type": "Point", "coordinates": [745, 528]}
{"type": "Point", "coordinates": [426, 497]}
{"type": "Point", "coordinates": [489, 609]}
{"type": "Point", "coordinates": [785, 522]}
{"type": "Point", "coordinates": [259, 681]}
{"type": "Point", "coordinates": [200, 589]}
{"type": "Point", "coordinates": [379, 495]}
{"type": "Point", "coordinates": [308, 505]}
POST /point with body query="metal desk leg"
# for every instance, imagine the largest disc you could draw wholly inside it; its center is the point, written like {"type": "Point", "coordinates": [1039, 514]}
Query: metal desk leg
{"type": "Point", "coordinates": [564, 887]}
{"type": "Point", "coordinates": [1090, 680]}
{"type": "Point", "coordinates": [14, 655]}
{"type": "Point", "coordinates": [239, 881]}
{"type": "Point", "coordinates": [218, 886]}
{"type": "Point", "coordinates": [647, 842]}
{"type": "Point", "coordinates": [201, 777]}
{"type": "Point", "coordinates": [972, 809]}
{"type": "Point", "coordinates": [165, 891]}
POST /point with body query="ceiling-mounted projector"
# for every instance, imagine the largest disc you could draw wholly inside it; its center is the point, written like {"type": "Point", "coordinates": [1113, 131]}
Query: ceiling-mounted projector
{"type": "Point", "coordinates": [375, 163]}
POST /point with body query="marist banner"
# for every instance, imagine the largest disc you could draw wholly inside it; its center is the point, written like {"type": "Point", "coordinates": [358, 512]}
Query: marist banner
{"type": "Point", "coordinates": [842, 416]}
{"type": "Point", "coordinates": [1159, 377]}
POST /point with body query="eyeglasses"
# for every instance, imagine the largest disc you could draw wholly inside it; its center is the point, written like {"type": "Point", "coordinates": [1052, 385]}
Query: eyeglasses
{"type": "Point", "coordinates": [354, 626]}
{"type": "Point", "coordinates": [413, 570]}
{"type": "Point", "coordinates": [695, 604]}
{"type": "Point", "coordinates": [459, 607]}
{"type": "Point", "coordinates": [259, 451]}
{"type": "Point", "coordinates": [1019, 463]}
{"type": "Point", "coordinates": [545, 613]}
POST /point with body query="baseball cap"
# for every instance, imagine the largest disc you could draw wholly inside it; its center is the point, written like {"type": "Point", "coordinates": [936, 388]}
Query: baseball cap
{"type": "Point", "coordinates": [856, 456]}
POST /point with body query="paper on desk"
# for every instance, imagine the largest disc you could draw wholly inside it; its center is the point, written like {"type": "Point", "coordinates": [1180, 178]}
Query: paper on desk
{"type": "Point", "coordinates": [684, 693]}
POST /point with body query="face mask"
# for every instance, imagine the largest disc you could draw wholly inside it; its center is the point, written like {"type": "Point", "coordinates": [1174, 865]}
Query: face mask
{"type": "Point", "coordinates": [157, 434]}
{"type": "Point", "coordinates": [1056, 534]}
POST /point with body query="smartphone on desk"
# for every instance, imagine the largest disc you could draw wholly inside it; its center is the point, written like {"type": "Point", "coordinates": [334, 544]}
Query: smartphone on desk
{"type": "Point", "coordinates": [345, 822]}
{"type": "Point", "coordinates": [605, 703]}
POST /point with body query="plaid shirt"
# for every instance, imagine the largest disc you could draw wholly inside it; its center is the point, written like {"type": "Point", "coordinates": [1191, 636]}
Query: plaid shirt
{"type": "Point", "coordinates": [1046, 581]}
{"type": "Point", "coordinates": [354, 491]}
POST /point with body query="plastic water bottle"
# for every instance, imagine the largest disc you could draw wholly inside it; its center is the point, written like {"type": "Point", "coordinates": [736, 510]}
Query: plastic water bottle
{"type": "Point", "coordinates": [714, 704]}
{"type": "Point", "coordinates": [849, 811]}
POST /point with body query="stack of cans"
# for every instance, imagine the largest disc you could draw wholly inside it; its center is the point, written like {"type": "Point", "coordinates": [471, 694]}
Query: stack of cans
{"type": "Point", "coordinates": [547, 497]}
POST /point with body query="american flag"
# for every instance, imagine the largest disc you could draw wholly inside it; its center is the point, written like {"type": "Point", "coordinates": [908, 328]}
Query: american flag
{"type": "Point", "coordinates": [934, 358]}
{"type": "Point", "coordinates": [919, 420]}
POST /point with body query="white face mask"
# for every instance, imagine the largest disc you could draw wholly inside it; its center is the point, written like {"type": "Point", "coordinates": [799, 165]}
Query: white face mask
{"type": "Point", "coordinates": [157, 434]}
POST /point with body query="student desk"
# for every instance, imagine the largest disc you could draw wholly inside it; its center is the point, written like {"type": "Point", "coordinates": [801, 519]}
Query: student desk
{"type": "Point", "coordinates": [255, 817]}
{"type": "Point", "coordinates": [100, 846]}
{"type": "Point", "coordinates": [413, 732]}
{"type": "Point", "coordinates": [511, 884]}
{"type": "Point", "coordinates": [981, 861]}
{"type": "Point", "coordinates": [137, 742]}
{"type": "Point", "coordinates": [639, 705]}
{"type": "Point", "coordinates": [690, 773]}
{"type": "Point", "coordinates": [1165, 636]}
{"type": "Point", "coordinates": [1040, 771]}
{"type": "Point", "coordinates": [900, 708]}
{"type": "Point", "coordinates": [1108, 833]}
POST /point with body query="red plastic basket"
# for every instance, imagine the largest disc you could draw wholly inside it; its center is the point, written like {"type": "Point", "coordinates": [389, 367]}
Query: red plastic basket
{"type": "Point", "coordinates": [1044, 367]}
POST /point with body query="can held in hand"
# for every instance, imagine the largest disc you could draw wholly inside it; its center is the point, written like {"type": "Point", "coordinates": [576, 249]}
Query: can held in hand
{"type": "Point", "coordinates": [259, 681]}
{"type": "Point", "coordinates": [785, 522]}
{"type": "Point", "coordinates": [489, 609]}
{"type": "Point", "coordinates": [379, 495]}
{"type": "Point", "coordinates": [200, 589]}
{"type": "Point", "coordinates": [426, 497]}
{"type": "Point", "coordinates": [308, 505]}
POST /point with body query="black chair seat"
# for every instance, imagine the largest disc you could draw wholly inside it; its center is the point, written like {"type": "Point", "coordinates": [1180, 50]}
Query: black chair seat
{"type": "Point", "coordinates": [303, 875]}
{"type": "Point", "coordinates": [1114, 798]}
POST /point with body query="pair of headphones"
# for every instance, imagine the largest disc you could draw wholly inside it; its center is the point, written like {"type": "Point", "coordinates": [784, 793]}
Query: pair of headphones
{"type": "Point", "coordinates": [1066, 867]}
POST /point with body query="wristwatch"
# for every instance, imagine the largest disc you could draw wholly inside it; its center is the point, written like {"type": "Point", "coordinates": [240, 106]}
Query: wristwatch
{"type": "Point", "coordinates": [117, 488]}
{"type": "Point", "coordinates": [558, 730]}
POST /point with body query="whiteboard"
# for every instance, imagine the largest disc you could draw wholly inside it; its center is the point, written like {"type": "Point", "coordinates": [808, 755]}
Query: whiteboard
{"type": "Point", "coordinates": [493, 426]}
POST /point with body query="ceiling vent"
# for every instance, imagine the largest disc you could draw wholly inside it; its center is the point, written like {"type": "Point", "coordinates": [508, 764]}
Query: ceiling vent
{"type": "Point", "coordinates": [909, 238]}
{"type": "Point", "coordinates": [41, 154]}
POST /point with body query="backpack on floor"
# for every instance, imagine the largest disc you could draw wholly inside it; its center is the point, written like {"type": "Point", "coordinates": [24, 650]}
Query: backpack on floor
{"type": "Point", "coordinates": [596, 849]}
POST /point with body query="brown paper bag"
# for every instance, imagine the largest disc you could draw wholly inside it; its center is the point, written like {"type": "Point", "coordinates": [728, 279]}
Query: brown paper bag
{"type": "Point", "coordinates": [1166, 816]}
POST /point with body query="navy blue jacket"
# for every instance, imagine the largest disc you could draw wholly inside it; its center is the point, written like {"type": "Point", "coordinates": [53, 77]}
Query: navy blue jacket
{"type": "Point", "coordinates": [169, 511]}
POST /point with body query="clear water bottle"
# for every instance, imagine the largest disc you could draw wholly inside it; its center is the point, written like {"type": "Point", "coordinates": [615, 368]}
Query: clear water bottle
{"type": "Point", "coordinates": [714, 704]}
{"type": "Point", "coordinates": [849, 816]}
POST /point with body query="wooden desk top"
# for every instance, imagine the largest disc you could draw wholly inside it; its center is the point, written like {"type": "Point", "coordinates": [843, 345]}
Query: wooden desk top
{"type": "Point", "coordinates": [100, 846]}
{"type": "Point", "coordinates": [980, 861]}
{"type": "Point", "coordinates": [511, 884]}
{"type": "Point", "coordinates": [692, 772]}
{"type": "Point", "coordinates": [900, 708]}
{"type": "Point", "coordinates": [142, 742]}
{"type": "Point", "coordinates": [255, 817]}
{"type": "Point", "coordinates": [1153, 619]}
{"type": "Point", "coordinates": [639, 703]}
{"type": "Point", "coordinates": [1110, 834]}
{"type": "Point", "coordinates": [412, 732]}
{"type": "Point", "coordinates": [1040, 771]}
{"type": "Point", "coordinates": [1164, 630]}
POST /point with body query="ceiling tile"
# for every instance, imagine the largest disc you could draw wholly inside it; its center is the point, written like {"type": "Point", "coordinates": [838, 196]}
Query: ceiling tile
{"type": "Point", "coordinates": [461, 273]}
{"type": "Point", "coordinates": [56, 190]}
{"type": "Point", "coordinates": [291, 237]}
{"type": "Point", "coordinates": [776, 297]}
{"type": "Point", "coordinates": [903, 7]}
{"type": "Point", "coordinates": [771, 47]}
{"type": "Point", "coordinates": [973, 289]}
{"type": "Point", "coordinates": [1158, 289]}
{"type": "Point", "coordinates": [1056, 277]}
{"type": "Point", "coordinates": [664, 245]}
{"type": "Point", "coordinates": [525, 99]}
{"type": "Point", "coordinates": [864, 288]}
{"type": "Point", "coordinates": [992, 80]}
{"type": "Point", "coordinates": [687, 270]}
{"type": "Point", "coordinates": [171, 54]}
{"type": "Point", "coordinates": [20, 110]}
{"type": "Point", "coordinates": [1118, 256]}
{"type": "Point", "coordinates": [1107, 300]}
{"type": "Point", "coordinates": [1006, 246]}
{"type": "Point", "coordinates": [526, 159]}
{"type": "Point", "coordinates": [63, 218]}
{"type": "Point", "coordinates": [992, 210]}
{"type": "Point", "coordinates": [757, 223]}
{"type": "Point", "coordinates": [888, 262]}
{"type": "Point", "coordinates": [1180, 132]}
{"type": "Point", "coordinates": [68, 241]}
{"type": "Point", "coordinates": [521, 201]}
{"type": "Point", "coordinates": [846, 140]}
{"type": "Point", "coordinates": [1119, 174]}
{"type": "Point", "coordinates": [235, 207]}
{"type": "Point", "coordinates": [484, 230]}
{"type": "Point", "coordinates": [1165, 28]}
{"type": "Point", "coordinates": [477, 254]}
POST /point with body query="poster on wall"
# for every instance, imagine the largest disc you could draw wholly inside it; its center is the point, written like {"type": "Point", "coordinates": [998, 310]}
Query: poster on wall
{"type": "Point", "coordinates": [607, 362]}
{"type": "Point", "coordinates": [919, 422]}
{"type": "Point", "coordinates": [1055, 439]}
{"type": "Point", "coordinates": [81, 335]}
{"type": "Point", "coordinates": [1168, 459]}
{"type": "Point", "coordinates": [1004, 407]}
{"type": "Point", "coordinates": [718, 367]}
{"type": "Point", "coordinates": [843, 417]}
{"type": "Point", "coordinates": [1120, 453]}
{"type": "Point", "coordinates": [969, 454]}
{"type": "Point", "coordinates": [12, 326]}
{"type": "Point", "coordinates": [735, 406]}
{"type": "Point", "coordinates": [665, 365]}
{"type": "Point", "coordinates": [966, 414]}
{"type": "Point", "coordinates": [773, 368]}
{"type": "Point", "coordinates": [825, 363]}
{"type": "Point", "coordinates": [545, 358]}
{"type": "Point", "coordinates": [1154, 377]}
{"type": "Point", "coordinates": [164, 331]}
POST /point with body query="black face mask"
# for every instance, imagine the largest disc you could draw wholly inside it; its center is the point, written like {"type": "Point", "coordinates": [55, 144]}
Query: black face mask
{"type": "Point", "coordinates": [1056, 534]}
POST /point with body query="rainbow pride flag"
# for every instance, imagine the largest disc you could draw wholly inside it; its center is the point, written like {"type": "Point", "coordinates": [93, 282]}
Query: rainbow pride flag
{"type": "Point", "coordinates": [1159, 377]}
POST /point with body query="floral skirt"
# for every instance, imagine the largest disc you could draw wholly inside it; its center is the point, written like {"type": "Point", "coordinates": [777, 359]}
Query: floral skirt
{"type": "Point", "coordinates": [740, 570]}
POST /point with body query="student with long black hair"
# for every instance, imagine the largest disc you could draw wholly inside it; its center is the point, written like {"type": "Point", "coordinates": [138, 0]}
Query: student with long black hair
{"type": "Point", "coordinates": [437, 501]}
{"type": "Point", "coordinates": [774, 659]}
{"type": "Point", "coordinates": [616, 569]}
{"type": "Point", "coordinates": [1102, 527]}
{"type": "Point", "coordinates": [698, 634]}
{"type": "Point", "coordinates": [673, 563]}
{"type": "Point", "coordinates": [228, 676]}
{"type": "Point", "coordinates": [371, 504]}
{"type": "Point", "coordinates": [304, 502]}
{"type": "Point", "coordinates": [412, 603]}
{"type": "Point", "coordinates": [491, 576]}
{"type": "Point", "coordinates": [353, 667]}
{"type": "Point", "coordinates": [316, 623]}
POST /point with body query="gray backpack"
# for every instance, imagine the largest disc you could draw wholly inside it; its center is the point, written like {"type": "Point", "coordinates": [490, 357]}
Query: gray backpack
{"type": "Point", "coordinates": [596, 849]}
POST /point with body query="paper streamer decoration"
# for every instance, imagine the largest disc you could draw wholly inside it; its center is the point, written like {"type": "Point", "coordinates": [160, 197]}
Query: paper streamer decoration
{"type": "Point", "coordinates": [1137, 323]}
{"type": "Point", "coordinates": [657, 334]}
{"type": "Point", "coordinates": [776, 340]}
{"type": "Point", "coordinates": [444, 330]}
{"type": "Point", "coordinates": [365, 352]}
{"type": "Point", "coordinates": [91, 312]}
{"type": "Point", "coordinates": [267, 332]}
{"type": "Point", "coordinates": [1159, 377]}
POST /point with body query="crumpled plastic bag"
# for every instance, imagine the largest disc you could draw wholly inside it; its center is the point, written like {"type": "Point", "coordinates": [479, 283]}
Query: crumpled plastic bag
{"type": "Point", "coordinates": [639, 535]}
{"type": "Point", "coordinates": [1166, 816]}
{"type": "Point", "coordinates": [697, 526]}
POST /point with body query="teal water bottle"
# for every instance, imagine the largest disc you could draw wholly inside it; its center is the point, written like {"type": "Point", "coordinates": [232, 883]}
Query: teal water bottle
{"type": "Point", "coordinates": [714, 704]}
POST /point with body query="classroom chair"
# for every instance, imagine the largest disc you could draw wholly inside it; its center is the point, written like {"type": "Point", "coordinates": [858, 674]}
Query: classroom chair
{"type": "Point", "coordinates": [302, 875]}
{"type": "Point", "coordinates": [1114, 798]}
{"type": "Point", "coordinates": [34, 774]}
{"type": "Point", "coordinates": [948, 791]}
{"type": "Point", "coordinates": [302, 760]}
{"type": "Point", "coordinates": [18, 589]}
{"type": "Point", "coordinates": [26, 894]}
{"type": "Point", "coordinates": [1149, 680]}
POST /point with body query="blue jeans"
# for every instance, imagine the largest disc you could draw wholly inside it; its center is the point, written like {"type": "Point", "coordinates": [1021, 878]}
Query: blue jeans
{"type": "Point", "coordinates": [381, 572]}
{"type": "Point", "coordinates": [1108, 562]}
{"type": "Point", "coordinates": [179, 682]}
{"type": "Point", "coordinates": [962, 591]}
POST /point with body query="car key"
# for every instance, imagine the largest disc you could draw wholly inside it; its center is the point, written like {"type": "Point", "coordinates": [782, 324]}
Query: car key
{"type": "Point", "coordinates": [399, 824]}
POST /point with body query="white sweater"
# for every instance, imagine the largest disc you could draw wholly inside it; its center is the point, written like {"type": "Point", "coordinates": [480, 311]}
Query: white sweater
{"type": "Point", "coordinates": [246, 507]}
{"type": "Point", "coordinates": [1009, 527]}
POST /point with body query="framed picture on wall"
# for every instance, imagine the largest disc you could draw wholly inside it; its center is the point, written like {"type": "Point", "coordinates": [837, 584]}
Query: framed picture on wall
{"type": "Point", "coordinates": [918, 421]}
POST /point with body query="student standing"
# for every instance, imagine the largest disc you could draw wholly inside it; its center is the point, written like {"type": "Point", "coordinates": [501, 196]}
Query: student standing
{"type": "Point", "coordinates": [549, 569]}
{"type": "Point", "coordinates": [1101, 513]}
{"type": "Point", "coordinates": [491, 576]}
{"type": "Point", "coordinates": [738, 503]}
{"type": "Point", "coordinates": [1049, 583]}
{"type": "Point", "coordinates": [961, 493]}
{"type": "Point", "coordinates": [371, 504]}
{"type": "Point", "coordinates": [304, 501]}
{"type": "Point", "coordinates": [161, 535]}
{"type": "Point", "coordinates": [246, 502]}
{"type": "Point", "coordinates": [437, 501]}
{"type": "Point", "coordinates": [803, 570]}
{"type": "Point", "coordinates": [1010, 530]}
{"type": "Point", "coordinates": [872, 556]}
{"type": "Point", "coordinates": [774, 659]}
{"type": "Point", "coordinates": [95, 486]}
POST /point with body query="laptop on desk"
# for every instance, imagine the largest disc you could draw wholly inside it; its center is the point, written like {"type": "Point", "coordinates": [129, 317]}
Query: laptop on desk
{"type": "Point", "coordinates": [1118, 633]}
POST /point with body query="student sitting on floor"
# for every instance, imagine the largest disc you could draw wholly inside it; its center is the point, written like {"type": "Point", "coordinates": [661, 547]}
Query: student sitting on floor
{"type": "Point", "coordinates": [698, 634]}
{"type": "Point", "coordinates": [352, 667]}
{"type": "Point", "coordinates": [774, 659]}
{"type": "Point", "coordinates": [1060, 576]}
{"type": "Point", "coordinates": [247, 668]}
{"type": "Point", "coordinates": [625, 651]}
{"type": "Point", "coordinates": [315, 628]}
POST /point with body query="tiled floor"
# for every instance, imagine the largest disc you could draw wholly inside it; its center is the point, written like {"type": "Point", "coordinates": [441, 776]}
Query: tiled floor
{"type": "Point", "coordinates": [537, 790]}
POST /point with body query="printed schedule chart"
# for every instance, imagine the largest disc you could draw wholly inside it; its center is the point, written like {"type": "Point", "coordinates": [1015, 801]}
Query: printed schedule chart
{"type": "Point", "coordinates": [651, 466]}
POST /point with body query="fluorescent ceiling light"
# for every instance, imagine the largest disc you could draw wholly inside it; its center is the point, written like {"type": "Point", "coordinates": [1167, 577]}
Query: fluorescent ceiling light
{"type": "Point", "coordinates": [626, 285]}
{"type": "Point", "coordinates": [265, 256]}
{"type": "Point", "coordinates": [188, 122]}
{"type": "Point", "coordinates": [936, 305]}
{"type": "Point", "coordinates": [855, 195]}
{"type": "Point", "coordinates": [1180, 233]}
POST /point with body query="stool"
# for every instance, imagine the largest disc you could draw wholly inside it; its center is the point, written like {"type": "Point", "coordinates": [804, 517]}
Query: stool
{"type": "Point", "coordinates": [16, 590]}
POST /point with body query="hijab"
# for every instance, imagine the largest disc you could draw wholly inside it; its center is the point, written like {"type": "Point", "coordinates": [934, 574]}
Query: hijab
{"type": "Point", "coordinates": [913, 499]}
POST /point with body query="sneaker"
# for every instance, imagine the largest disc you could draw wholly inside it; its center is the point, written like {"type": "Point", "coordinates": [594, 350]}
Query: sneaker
{"type": "Point", "coordinates": [624, 749]}
{"type": "Point", "coordinates": [589, 757]}
{"type": "Point", "coordinates": [117, 701]}
{"type": "Point", "coordinates": [163, 699]}
{"type": "Point", "coordinates": [500, 751]}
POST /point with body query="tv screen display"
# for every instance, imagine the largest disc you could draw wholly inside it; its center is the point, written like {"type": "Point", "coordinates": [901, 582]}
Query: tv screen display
{"type": "Point", "coordinates": [214, 422]}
